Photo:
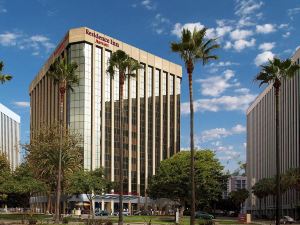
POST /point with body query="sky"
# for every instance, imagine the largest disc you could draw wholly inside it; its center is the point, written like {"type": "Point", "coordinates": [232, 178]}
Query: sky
{"type": "Point", "coordinates": [249, 31]}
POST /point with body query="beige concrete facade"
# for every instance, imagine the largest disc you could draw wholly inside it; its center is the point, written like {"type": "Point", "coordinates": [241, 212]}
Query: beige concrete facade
{"type": "Point", "coordinates": [261, 141]}
{"type": "Point", "coordinates": [91, 109]}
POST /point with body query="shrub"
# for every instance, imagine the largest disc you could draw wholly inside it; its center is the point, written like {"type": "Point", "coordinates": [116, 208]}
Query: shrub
{"type": "Point", "coordinates": [32, 221]}
{"type": "Point", "coordinates": [65, 220]}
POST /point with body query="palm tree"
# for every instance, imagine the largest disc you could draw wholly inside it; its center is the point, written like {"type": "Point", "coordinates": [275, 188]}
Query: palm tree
{"type": "Point", "coordinates": [3, 77]}
{"type": "Point", "coordinates": [126, 66]}
{"type": "Point", "coordinates": [261, 190]}
{"type": "Point", "coordinates": [192, 48]}
{"type": "Point", "coordinates": [291, 179]}
{"type": "Point", "coordinates": [274, 73]}
{"type": "Point", "coordinates": [239, 197]}
{"type": "Point", "coordinates": [63, 74]}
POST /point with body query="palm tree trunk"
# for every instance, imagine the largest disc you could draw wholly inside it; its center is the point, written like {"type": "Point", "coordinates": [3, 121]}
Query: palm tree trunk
{"type": "Point", "coordinates": [278, 194]}
{"type": "Point", "coordinates": [192, 219]}
{"type": "Point", "coordinates": [121, 78]}
{"type": "Point", "coordinates": [48, 202]}
{"type": "Point", "coordinates": [58, 194]}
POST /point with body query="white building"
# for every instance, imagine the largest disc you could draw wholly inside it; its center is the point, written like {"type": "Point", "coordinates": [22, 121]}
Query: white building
{"type": "Point", "coordinates": [10, 135]}
{"type": "Point", "coordinates": [235, 183]}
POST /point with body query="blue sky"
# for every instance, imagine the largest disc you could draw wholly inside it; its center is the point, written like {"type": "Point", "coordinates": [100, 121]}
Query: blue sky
{"type": "Point", "coordinates": [250, 32]}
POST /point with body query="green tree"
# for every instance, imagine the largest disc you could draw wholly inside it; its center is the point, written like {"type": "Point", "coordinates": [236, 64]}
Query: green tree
{"type": "Point", "coordinates": [261, 190]}
{"type": "Point", "coordinates": [3, 77]}
{"type": "Point", "coordinates": [23, 183]}
{"type": "Point", "coordinates": [291, 179]}
{"type": "Point", "coordinates": [46, 147]}
{"type": "Point", "coordinates": [5, 176]}
{"type": "Point", "coordinates": [90, 183]}
{"type": "Point", "coordinates": [4, 163]}
{"type": "Point", "coordinates": [274, 73]}
{"type": "Point", "coordinates": [239, 196]}
{"type": "Point", "coordinates": [121, 63]}
{"type": "Point", "coordinates": [193, 48]}
{"type": "Point", "coordinates": [172, 178]}
{"type": "Point", "coordinates": [63, 74]}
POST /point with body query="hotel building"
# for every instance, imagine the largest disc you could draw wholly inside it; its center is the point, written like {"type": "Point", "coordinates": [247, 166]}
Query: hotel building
{"type": "Point", "coordinates": [10, 135]}
{"type": "Point", "coordinates": [261, 141]}
{"type": "Point", "coordinates": [151, 103]}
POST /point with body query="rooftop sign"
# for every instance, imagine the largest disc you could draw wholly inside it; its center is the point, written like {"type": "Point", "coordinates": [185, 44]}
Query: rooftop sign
{"type": "Point", "coordinates": [100, 39]}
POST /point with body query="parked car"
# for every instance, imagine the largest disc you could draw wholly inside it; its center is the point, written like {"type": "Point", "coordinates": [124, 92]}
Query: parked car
{"type": "Point", "coordinates": [203, 215]}
{"type": "Point", "coordinates": [101, 213]}
{"type": "Point", "coordinates": [125, 213]}
{"type": "Point", "coordinates": [287, 220]}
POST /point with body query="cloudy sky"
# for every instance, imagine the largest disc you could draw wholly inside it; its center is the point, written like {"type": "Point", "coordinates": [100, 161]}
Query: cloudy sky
{"type": "Point", "coordinates": [249, 31]}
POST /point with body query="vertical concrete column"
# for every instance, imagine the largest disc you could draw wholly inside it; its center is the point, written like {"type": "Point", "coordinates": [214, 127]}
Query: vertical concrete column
{"type": "Point", "coordinates": [175, 112]}
{"type": "Point", "coordinates": [146, 126]}
{"type": "Point", "coordinates": [138, 113]}
{"type": "Point", "coordinates": [103, 75]}
{"type": "Point", "coordinates": [102, 205]}
{"type": "Point", "coordinates": [168, 113]}
{"type": "Point", "coordinates": [153, 118]}
{"type": "Point", "coordinates": [112, 131]}
{"type": "Point", "coordinates": [129, 135]}
{"type": "Point", "coordinates": [112, 206]}
{"type": "Point", "coordinates": [93, 113]}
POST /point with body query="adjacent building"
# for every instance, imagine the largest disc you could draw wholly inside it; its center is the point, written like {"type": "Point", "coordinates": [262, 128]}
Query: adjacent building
{"type": "Point", "coordinates": [235, 183]}
{"type": "Point", "coordinates": [261, 141]}
{"type": "Point", "coordinates": [151, 103]}
{"type": "Point", "coordinates": [10, 135]}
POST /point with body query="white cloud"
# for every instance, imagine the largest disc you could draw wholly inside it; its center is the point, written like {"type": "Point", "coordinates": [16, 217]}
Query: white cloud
{"type": "Point", "coordinates": [286, 35]}
{"type": "Point", "coordinates": [8, 39]}
{"type": "Point", "coordinates": [267, 46]}
{"type": "Point", "coordinates": [223, 103]}
{"type": "Point", "coordinates": [240, 45]}
{"type": "Point", "coordinates": [178, 27]}
{"type": "Point", "coordinates": [22, 104]}
{"type": "Point", "coordinates": [242, 90]}
{"type": "Point", "coordinates": [240, 34]}
{"type": "Point", "coordinates": [218, 133]}
{"type": "Point", "coordinates": [283, 26]}
{"type": "Point", "coordinates": [216, 85]}
{"type": "Point", "coordinates": [263, 58]}
{"type": "Point", "coordinates": [247, 7]}
{"type": "Point", "coordinates": [148, 4]}
{"type": "Point", "coordinates": [159, 23]}
{"type": "Point", "coordinates": [265, 29]}
{"type": "Point", "coordinates": [238, 129]}
{"type": "Point", "coordinates": [223, 64]}
{"type": "Point", "coordinates": [23, 41]}
{"type": "Point", "coordinates": [292, 12]}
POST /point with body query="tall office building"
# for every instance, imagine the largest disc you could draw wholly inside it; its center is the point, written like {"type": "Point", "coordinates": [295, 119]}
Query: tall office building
{"type": "Point", "coordinates": [10, 135]}
{"type": "Point", "coordinates": [151, 103]}
{"type": "Point", "coordinates": [261, 141]}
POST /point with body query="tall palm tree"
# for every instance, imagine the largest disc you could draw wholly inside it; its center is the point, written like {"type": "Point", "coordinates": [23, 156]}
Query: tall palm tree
{"type": "Point", "coordinates": [63, 74]}
{"type": "Point", "coordinates": [3, 77]}
{"type": "Point", "coordinates": [126, 67]}
{"type": "Point", "coordinates": [274, 73]}
{"type": "Point", "coordinates": [261, 190]}
{"type": "Point", "coordinates": [193, 48]}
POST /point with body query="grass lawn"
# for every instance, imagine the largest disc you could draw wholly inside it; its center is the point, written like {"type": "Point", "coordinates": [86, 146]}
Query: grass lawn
{"type": "Point", "coordinates": [19, 216]}
{"type": "Point", "coordinates": [224, 221]}
{"type": "Point", "coordinates": [154, 219]}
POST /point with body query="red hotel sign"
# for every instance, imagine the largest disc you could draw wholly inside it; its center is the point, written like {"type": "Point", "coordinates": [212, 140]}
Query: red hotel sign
{"type": "Point", "coordinates": [101, 39]}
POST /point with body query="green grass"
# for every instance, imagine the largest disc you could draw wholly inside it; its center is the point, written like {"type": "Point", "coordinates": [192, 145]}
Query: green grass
{"type": "Point", "coordinates": [154, 219]}
{"type": "Point", "coordinates": [220, 221]}
{"type": "Point", "coordinates": [20, 216]}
